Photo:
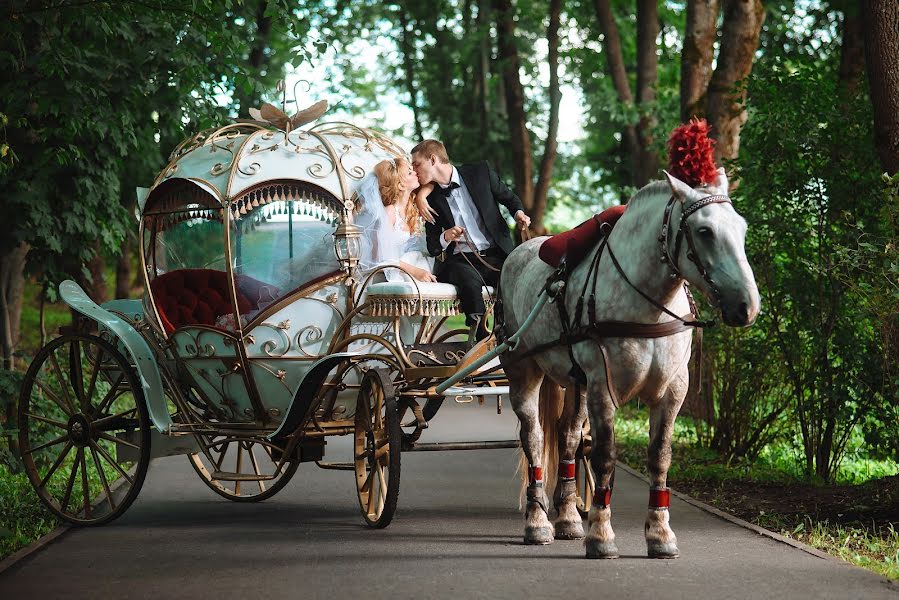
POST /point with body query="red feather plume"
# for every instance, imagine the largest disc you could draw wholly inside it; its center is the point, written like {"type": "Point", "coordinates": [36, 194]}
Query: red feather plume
{"type": "Point", "coordinates": [691, 153]}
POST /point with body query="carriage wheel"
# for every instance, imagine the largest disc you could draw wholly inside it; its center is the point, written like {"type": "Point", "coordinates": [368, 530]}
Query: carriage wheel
{"type": "Point", "coordinates": [376, 448]}
{"type": "Point", "coordinates": [583, 473]}
{"type": "Point", "coordinates": [84, 430]}
{"type": "Point", "coordinates": [241, 470]}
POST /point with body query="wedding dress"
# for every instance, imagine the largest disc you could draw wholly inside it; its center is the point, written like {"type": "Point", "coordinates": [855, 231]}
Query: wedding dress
{"type": "Point", "coordinates": [384, 243]}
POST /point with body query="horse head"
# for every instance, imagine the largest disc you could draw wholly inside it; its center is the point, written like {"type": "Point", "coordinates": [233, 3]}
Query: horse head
{"type": "Point", "coordinates": [707, 248]}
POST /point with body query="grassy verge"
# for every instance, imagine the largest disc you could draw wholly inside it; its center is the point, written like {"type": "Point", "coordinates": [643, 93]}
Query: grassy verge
{"type": "Point", "coordinates": [852, 522]}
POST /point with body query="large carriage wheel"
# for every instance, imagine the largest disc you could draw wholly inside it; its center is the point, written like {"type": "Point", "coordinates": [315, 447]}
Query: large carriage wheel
{"type": "Point", "coordinates": [84, 431]}
{"type": "Point", "coordinates": [376, 448]}
{"type": "Point", "coordinates": [583, 473]}
{"type": "Point", "coordinates": [252, 469]}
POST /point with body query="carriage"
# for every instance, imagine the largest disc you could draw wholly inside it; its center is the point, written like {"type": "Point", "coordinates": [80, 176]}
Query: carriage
{"type": "Point", "coordinates": [255, 341]}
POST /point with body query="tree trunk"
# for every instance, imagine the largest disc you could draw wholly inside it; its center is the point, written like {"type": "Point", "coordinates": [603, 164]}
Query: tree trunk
{"type": "Point", "coordinates": [647, 75]}
{"type": "Point", "coordinates": [697, 56]}
{"type": "Point", "coordinates": [124, 273]}
{"type": "Point", "coordinates": [519, 138]}
{"type": "Point", "coordinates": [482, 24]}
{"type": "Point", "coordinates": [852, 50]}
{"type": "Point", "coordinates": [256, 58]}
{"type": "Point", "coordinates": [545, 172]}
{"type": "Point", "coordinates": [881, 18]}
{"type": "Point", "coordinates": [95, 287]}
{"type": "Point", "coordinates": [407, 48]}
{"type": "Point", "coordinates": [12, 294]}
{"type": "Point", "coordinates": [615, 61]}
{"type": "Point", "coordinates": [739, 40]}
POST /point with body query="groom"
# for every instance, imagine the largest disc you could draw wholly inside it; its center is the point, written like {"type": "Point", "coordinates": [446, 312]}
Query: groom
{"type": "Point", "coordinates": [465, 224]}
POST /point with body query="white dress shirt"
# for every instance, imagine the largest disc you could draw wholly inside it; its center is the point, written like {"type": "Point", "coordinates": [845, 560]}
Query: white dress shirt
{"type": "Point", "coordinates": [467, 216]}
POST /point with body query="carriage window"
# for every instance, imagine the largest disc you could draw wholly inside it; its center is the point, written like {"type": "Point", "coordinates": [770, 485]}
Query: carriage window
{"type": "Point", "coordinates": [282, 245]}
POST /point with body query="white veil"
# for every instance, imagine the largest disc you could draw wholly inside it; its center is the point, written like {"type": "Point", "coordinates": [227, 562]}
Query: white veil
{"type": "Point", "coordinates": [380, 243]}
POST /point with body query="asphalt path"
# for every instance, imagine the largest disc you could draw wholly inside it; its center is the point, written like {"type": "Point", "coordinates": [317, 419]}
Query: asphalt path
{"type": "Point", "coordinates": [457, 534]}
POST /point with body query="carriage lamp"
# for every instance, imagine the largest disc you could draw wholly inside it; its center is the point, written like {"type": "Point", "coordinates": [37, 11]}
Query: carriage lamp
{"type": "Point", "coordinates": [347, 245]}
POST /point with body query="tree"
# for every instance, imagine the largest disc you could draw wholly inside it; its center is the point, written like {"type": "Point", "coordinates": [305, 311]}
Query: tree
{"type": "Point", "coordinates": [739, 41]}
{"type": "Point", "coordinates": [881, 19]}
{"type": "Point", "coordinates": [698, 54]}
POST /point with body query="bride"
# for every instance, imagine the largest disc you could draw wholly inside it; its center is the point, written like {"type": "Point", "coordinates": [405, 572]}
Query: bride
{"type": "Point", "coordinates": [392, 233]}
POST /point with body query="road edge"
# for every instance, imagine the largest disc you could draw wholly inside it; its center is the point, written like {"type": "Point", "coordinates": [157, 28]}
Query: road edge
{"type": "Point", "coordinates": [35, 546]}
{"type": "Point", "coordinates": [761, 530]}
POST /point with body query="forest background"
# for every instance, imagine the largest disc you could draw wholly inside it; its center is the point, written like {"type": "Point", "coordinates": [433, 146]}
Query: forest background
{"type": "Point", "coordinates": [802, 95]}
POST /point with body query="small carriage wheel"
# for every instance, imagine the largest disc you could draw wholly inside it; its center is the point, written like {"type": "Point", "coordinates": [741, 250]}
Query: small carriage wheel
{"type": "Point", "coordinates": [376, 449]}
{"type": "Point", "coordinates": [583, 473]}
{"type": "Point", "coordinates": [84, 430]}
{"type": "Point", "coordinates": [249, 458]}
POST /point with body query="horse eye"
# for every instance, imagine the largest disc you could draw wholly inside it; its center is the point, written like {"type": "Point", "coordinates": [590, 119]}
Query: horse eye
{"type": "Point", "coordinates": [705, 232]}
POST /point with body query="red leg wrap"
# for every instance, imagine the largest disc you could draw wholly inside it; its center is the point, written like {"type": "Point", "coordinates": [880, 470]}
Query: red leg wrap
{"type": "Point", "coordinates": [535, 474]}
{"type": "Point", "coordinates": [566, 469]}
{"type": "Point", "coordinates": [602, 497]}
{"type": "Point", "coordinates": [659, 498]}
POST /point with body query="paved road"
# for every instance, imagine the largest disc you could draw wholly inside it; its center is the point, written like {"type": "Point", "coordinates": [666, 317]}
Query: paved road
{"type": "Point", "coordinates": [457, 534]}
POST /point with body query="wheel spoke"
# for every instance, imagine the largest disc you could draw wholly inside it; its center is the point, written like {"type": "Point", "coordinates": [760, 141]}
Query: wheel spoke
{"type": "Point", "coordinates": [110, 395]}
{"type": "Point", "coordinates": [103, 479]}
{"type": "Point", "coordinates": [52, 442]}
{"type": "Point", "coordinates": [105, 420]}
{"type": "Point", "coordinates": [371, 495]}
{"type": "Point", "coordinates": [111, 461]}
{"type": "Point", "coordinates": [62, 382]}
{"type": "Point", "coordinates": [84, 487]}
{"type": "Point", "coordinates": [218, 463]}
{"type": "Point", "coordinates": [382, 489]}
{"type": "Point", "coordinates": [71, 483]}
{"type": "Point", "coordinates": [239, 464]}
{"type": "Point", "coordinates": [75, 373]}
{"type": "Point", "coordinates": [52, 395]}
{"type": "Point", "coordinates": [252, 454]}
{"type": "Point", "coordinates": [116, 440]}
{"type": "Point", "coordinates": [59, 424]}
{"type": "Point", "coordinates": [56, 463]}
{"type": "Point", "coordinates": [92, 385]}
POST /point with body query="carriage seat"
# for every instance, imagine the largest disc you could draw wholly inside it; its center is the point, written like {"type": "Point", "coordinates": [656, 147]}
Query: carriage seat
{"type": "Point", "coordinates": [401, 298]}
{"type": "Point", "coordinates": [575, 244]}
{"type": "Point", "coordinates": [201, 297]}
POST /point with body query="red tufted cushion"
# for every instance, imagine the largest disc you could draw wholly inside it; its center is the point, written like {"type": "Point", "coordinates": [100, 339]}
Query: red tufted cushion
{"type": "Point", "coordinates": [200, 296]}
{"type": "Point", "coordinates": [576, 243]}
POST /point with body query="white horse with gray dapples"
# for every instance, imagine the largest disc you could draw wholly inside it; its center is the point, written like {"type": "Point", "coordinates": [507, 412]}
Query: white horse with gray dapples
{"type": "Point", "coordinates": [701, 241]}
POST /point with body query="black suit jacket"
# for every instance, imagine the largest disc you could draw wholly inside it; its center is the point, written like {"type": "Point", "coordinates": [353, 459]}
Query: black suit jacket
{"type": "Point", "coordinates": [488, 192]}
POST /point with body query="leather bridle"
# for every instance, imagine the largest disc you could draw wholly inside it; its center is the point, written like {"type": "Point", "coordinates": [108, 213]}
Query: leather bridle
{"type": "Point", "coordinates": [684, 232]}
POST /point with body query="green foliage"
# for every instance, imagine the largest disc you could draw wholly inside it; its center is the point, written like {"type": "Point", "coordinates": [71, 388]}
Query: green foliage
{"type": "Point", "coordinates": [806, 159]}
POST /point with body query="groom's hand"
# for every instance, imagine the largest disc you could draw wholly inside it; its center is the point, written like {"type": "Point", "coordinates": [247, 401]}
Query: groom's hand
{"type": "Point", "coordinates": [522, 219]}
{"type": "Point", "coordinates": [452, 234]}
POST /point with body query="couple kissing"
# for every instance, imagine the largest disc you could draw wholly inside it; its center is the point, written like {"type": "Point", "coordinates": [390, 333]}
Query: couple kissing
{"type": "Point", "coordinates": [463, 223]}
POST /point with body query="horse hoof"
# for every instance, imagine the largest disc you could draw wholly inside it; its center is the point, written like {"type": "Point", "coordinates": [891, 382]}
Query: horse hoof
{"type": "Point", "coordinates": [570, 531]}
{"type": "Point", "coordinates": [597, 549]}
{"type": "Point", "coordinates": [661, 550]}
{"type": "Point", "coordinates": [538, 535]}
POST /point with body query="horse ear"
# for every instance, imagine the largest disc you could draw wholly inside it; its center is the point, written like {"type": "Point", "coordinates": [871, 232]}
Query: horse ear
{"type": "Point", "coordinates": [679, 189]}
{"type": "Point", "coordinates": [721, 182]}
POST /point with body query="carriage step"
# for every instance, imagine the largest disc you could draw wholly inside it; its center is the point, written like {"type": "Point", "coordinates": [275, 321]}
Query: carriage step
{"type": "Point", "coordinates": [458, 390]}
{"type": "Point", "coordinates": [226, 476]}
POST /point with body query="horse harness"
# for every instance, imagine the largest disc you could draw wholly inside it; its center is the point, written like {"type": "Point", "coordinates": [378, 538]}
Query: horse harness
{"type": "Point", "coordinates": [573, 332]}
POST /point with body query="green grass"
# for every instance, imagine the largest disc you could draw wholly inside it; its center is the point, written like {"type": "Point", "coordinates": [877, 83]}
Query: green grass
{"type": "Point", "coordinates": [702, 473]}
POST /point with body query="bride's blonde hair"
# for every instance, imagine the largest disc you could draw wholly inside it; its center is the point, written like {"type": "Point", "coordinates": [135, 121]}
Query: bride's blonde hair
{"type": "Point", "coordinates": [390, 186]}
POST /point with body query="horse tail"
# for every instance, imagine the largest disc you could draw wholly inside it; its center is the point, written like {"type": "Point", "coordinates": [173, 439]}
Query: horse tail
{"type": "Point", "coordinates": [551, 401]}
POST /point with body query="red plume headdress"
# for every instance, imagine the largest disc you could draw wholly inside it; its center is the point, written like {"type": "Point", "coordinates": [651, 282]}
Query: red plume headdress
{"type": "Point", "coordinates": [691, 153]}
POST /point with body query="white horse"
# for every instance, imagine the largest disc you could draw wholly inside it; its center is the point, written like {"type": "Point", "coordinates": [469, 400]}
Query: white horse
{"type": "Point", "coordinates": [700, 238]}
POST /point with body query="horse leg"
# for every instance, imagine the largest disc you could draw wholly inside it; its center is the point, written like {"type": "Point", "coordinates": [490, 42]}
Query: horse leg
{"type": "Point", "coordinates": [660, 539]}
{"type": "Point", "coordinates": [569, 525]}
{"type": "Point", "coordinates": [524, 387]}
{"type": "Point", "coordinates": [600, 542]}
